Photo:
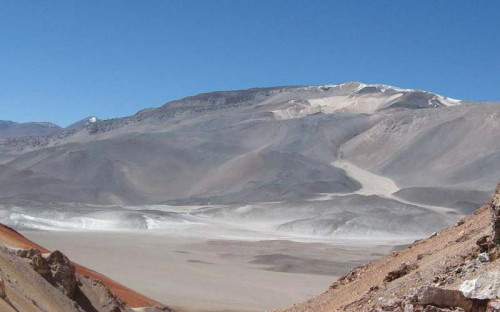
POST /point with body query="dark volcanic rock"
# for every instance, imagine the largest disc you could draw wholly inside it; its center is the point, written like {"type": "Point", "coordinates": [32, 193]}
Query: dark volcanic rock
{"type": "Point", "coordinates": [404, 269]}
{"type": "Point", "coordinates": [2, 289]}
{"type": "Point", "coordinates": [55, 269]}
{"type": "Point", "coordinates": [63, 273]}
{"type": "Point", "coordinates": [37, 262]}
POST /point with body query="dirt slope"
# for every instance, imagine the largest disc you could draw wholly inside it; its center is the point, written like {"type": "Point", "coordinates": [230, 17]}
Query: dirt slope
{"type": "Point", "coordinates": [11, 238]}
{"type": "Point", "coordinates": [445, 260]}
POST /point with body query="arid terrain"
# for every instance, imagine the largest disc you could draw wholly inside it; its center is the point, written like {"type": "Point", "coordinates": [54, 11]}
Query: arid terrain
{"type": "Point", "coordinates": [262, 196]}
{"type": "Point", "coordinates": [34, 279]}
{"type": "Point", "coordinates": [456, 269]}
{"type": "Point", "coordinates": [241, 275]}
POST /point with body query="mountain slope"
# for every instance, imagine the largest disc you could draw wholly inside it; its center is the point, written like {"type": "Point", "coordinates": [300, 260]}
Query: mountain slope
{"type": "Point", "coordinates": [445, 260]}
{"type": "Point", "coordinates": [83, 123]}
{"type": "Point", "coordinates": [276, 141]}
{"type": "Point", "coordinates": [11, 239]}
{"type": "Point", "coordinates": [301, 147]}
{"type": "Point", "coordinates": [14, 129]}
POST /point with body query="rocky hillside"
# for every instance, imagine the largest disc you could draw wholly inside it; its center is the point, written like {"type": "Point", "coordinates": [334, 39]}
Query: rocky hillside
{"type": "Point", "coordinates": [456, 269]}
{"type": "Point", "coordinates": [32, 279]}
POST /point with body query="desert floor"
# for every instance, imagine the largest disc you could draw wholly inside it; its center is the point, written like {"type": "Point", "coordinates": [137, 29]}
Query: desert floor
{"type": "Point", "coordinates": [196, 274]}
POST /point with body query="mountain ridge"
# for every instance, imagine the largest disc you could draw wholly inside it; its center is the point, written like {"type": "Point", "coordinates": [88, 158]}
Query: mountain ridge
{"type": "Point", "coordinates": [14, 129]}
{"type": "Point", "coordinates": [262, 146]}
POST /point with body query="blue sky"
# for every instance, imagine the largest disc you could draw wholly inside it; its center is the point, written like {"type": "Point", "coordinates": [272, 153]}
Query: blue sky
{"type": "Point", "coordinates": [61, 61]}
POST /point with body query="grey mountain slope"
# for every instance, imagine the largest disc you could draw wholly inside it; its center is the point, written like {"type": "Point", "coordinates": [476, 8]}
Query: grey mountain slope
{"type": "Point", "coordinates": [200, 159]}
{"type": "Point", "coordinates": [271, 153]}
{"type": "Point", "coordinates": [453, 146]}
{"type": "Point", "coordinates": [462, 199]}
{"type": "Point", "coordinates": [263, 144]}
{"type": "Point", "coordinates": [83, 123]}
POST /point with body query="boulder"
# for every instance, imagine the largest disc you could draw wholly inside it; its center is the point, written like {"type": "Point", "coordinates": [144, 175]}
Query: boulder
{"type": "Point", "coordinates": [443, 298]}
{"type": "Point", "coordinates": [388, 304]}
{"type": "Point", "coordinates": [495, 205]}
{"type": "Point", "coordinates": [41, 266]}
{"type": "Point", "coordinates": [37, 261]}
{"type": "Point", "coordinates": [22, 253]}
{"type": "Point", "coordinates": [485, 244]}
{"type": "Point", "coordinates": [431, 308]}
{"type": "Point", "coordinates": [155, 309]}
{"type": "Point", "coordinates": [485, 287]}
{"type": "Point", "coordinates": [493, 306]}
{"type": "Point", "coordinates": [495, 201]}
{"type": "Point", "coordinates": [403, 269]}
{"type": "Point", "coordinates": [483, 257]}
{"type": "Point", "coordinates": [28, 253]}
{"type": "Point", "coordinates": [63, 273]}
{"type": "Point", "coordinates": [93, 295]}
{"type": "Point", "coordinates": [2, 289]}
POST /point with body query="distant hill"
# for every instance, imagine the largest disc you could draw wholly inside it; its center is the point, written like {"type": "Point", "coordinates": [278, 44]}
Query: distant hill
{"type": "Point", "coordinates": [14, 129]}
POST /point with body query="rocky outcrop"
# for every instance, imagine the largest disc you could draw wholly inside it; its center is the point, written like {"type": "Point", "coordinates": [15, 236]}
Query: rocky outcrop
{"type": "Point", "coordinates": [54, 267]}
{"type": "Point", "coordinates": [455, 269]}
{"type": "Point", "coordinates": [37, 262]}
{"type": "Point", "coordinates": [2, 289]}
{"type": "Point", "coordinates": [485, 287]}
{"type": "Point", "coordinates": [493, 306]}
{"type": "Point", "coordinates": [480, 294]}
{"type": "Point", "coordinates": [23, 251]}
{"type": "Point", "coordinates": [63, 273]}
{"type": "Point", "coordinates": [155, 309]}
{"type": "Point", "coordinates": [439, 297]}
{"type": "Point", "coordinates": [431, 308]}
{"type": "Point", "coordinates": [92, 293]}
{"type": "Point", "coordinates": [25, 290]}
{"type": "Point", "coordinates": [88, 294]}
{"type": "Point", "coordinates": [495, 205]}
{"type": "Point", "coordinates": [403, 269]}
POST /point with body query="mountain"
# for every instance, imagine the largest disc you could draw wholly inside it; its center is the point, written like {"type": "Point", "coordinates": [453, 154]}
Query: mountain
{"type": "Point", "coordinates": [14, 129]}
{"type": "Point", "coordinates": [334, 160]}
{"type": "Point", "coordinates": [83, 123]}
{"type": "Point", "coordinates": [34, 279]}
{"type": "Point", "coordinates": [456, 269]}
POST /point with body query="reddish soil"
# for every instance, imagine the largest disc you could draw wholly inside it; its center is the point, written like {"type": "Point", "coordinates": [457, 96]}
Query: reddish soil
{"type": "Point", "coordinates": [10, 237]}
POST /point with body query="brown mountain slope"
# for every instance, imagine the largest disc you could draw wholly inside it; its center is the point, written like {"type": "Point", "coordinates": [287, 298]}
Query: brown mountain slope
{"type": "Point", "coordinates": [11, 238]}
{"type": "Point", "coordinates": [445, 260]}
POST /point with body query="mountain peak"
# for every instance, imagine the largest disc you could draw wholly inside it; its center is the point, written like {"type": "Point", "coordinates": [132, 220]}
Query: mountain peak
{"type": "Point", "coordinates": [83, 123]}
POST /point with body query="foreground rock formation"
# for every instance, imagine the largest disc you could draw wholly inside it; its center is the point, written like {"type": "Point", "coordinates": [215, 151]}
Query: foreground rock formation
{"type": "Point", "coordinates": [456, 269]}
{"type": "Point", "coordinates": [32, 279]}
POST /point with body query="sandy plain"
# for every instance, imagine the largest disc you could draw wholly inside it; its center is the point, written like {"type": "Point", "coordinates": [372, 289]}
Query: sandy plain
{"type": "Point", "coordinates": [191, 273]}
